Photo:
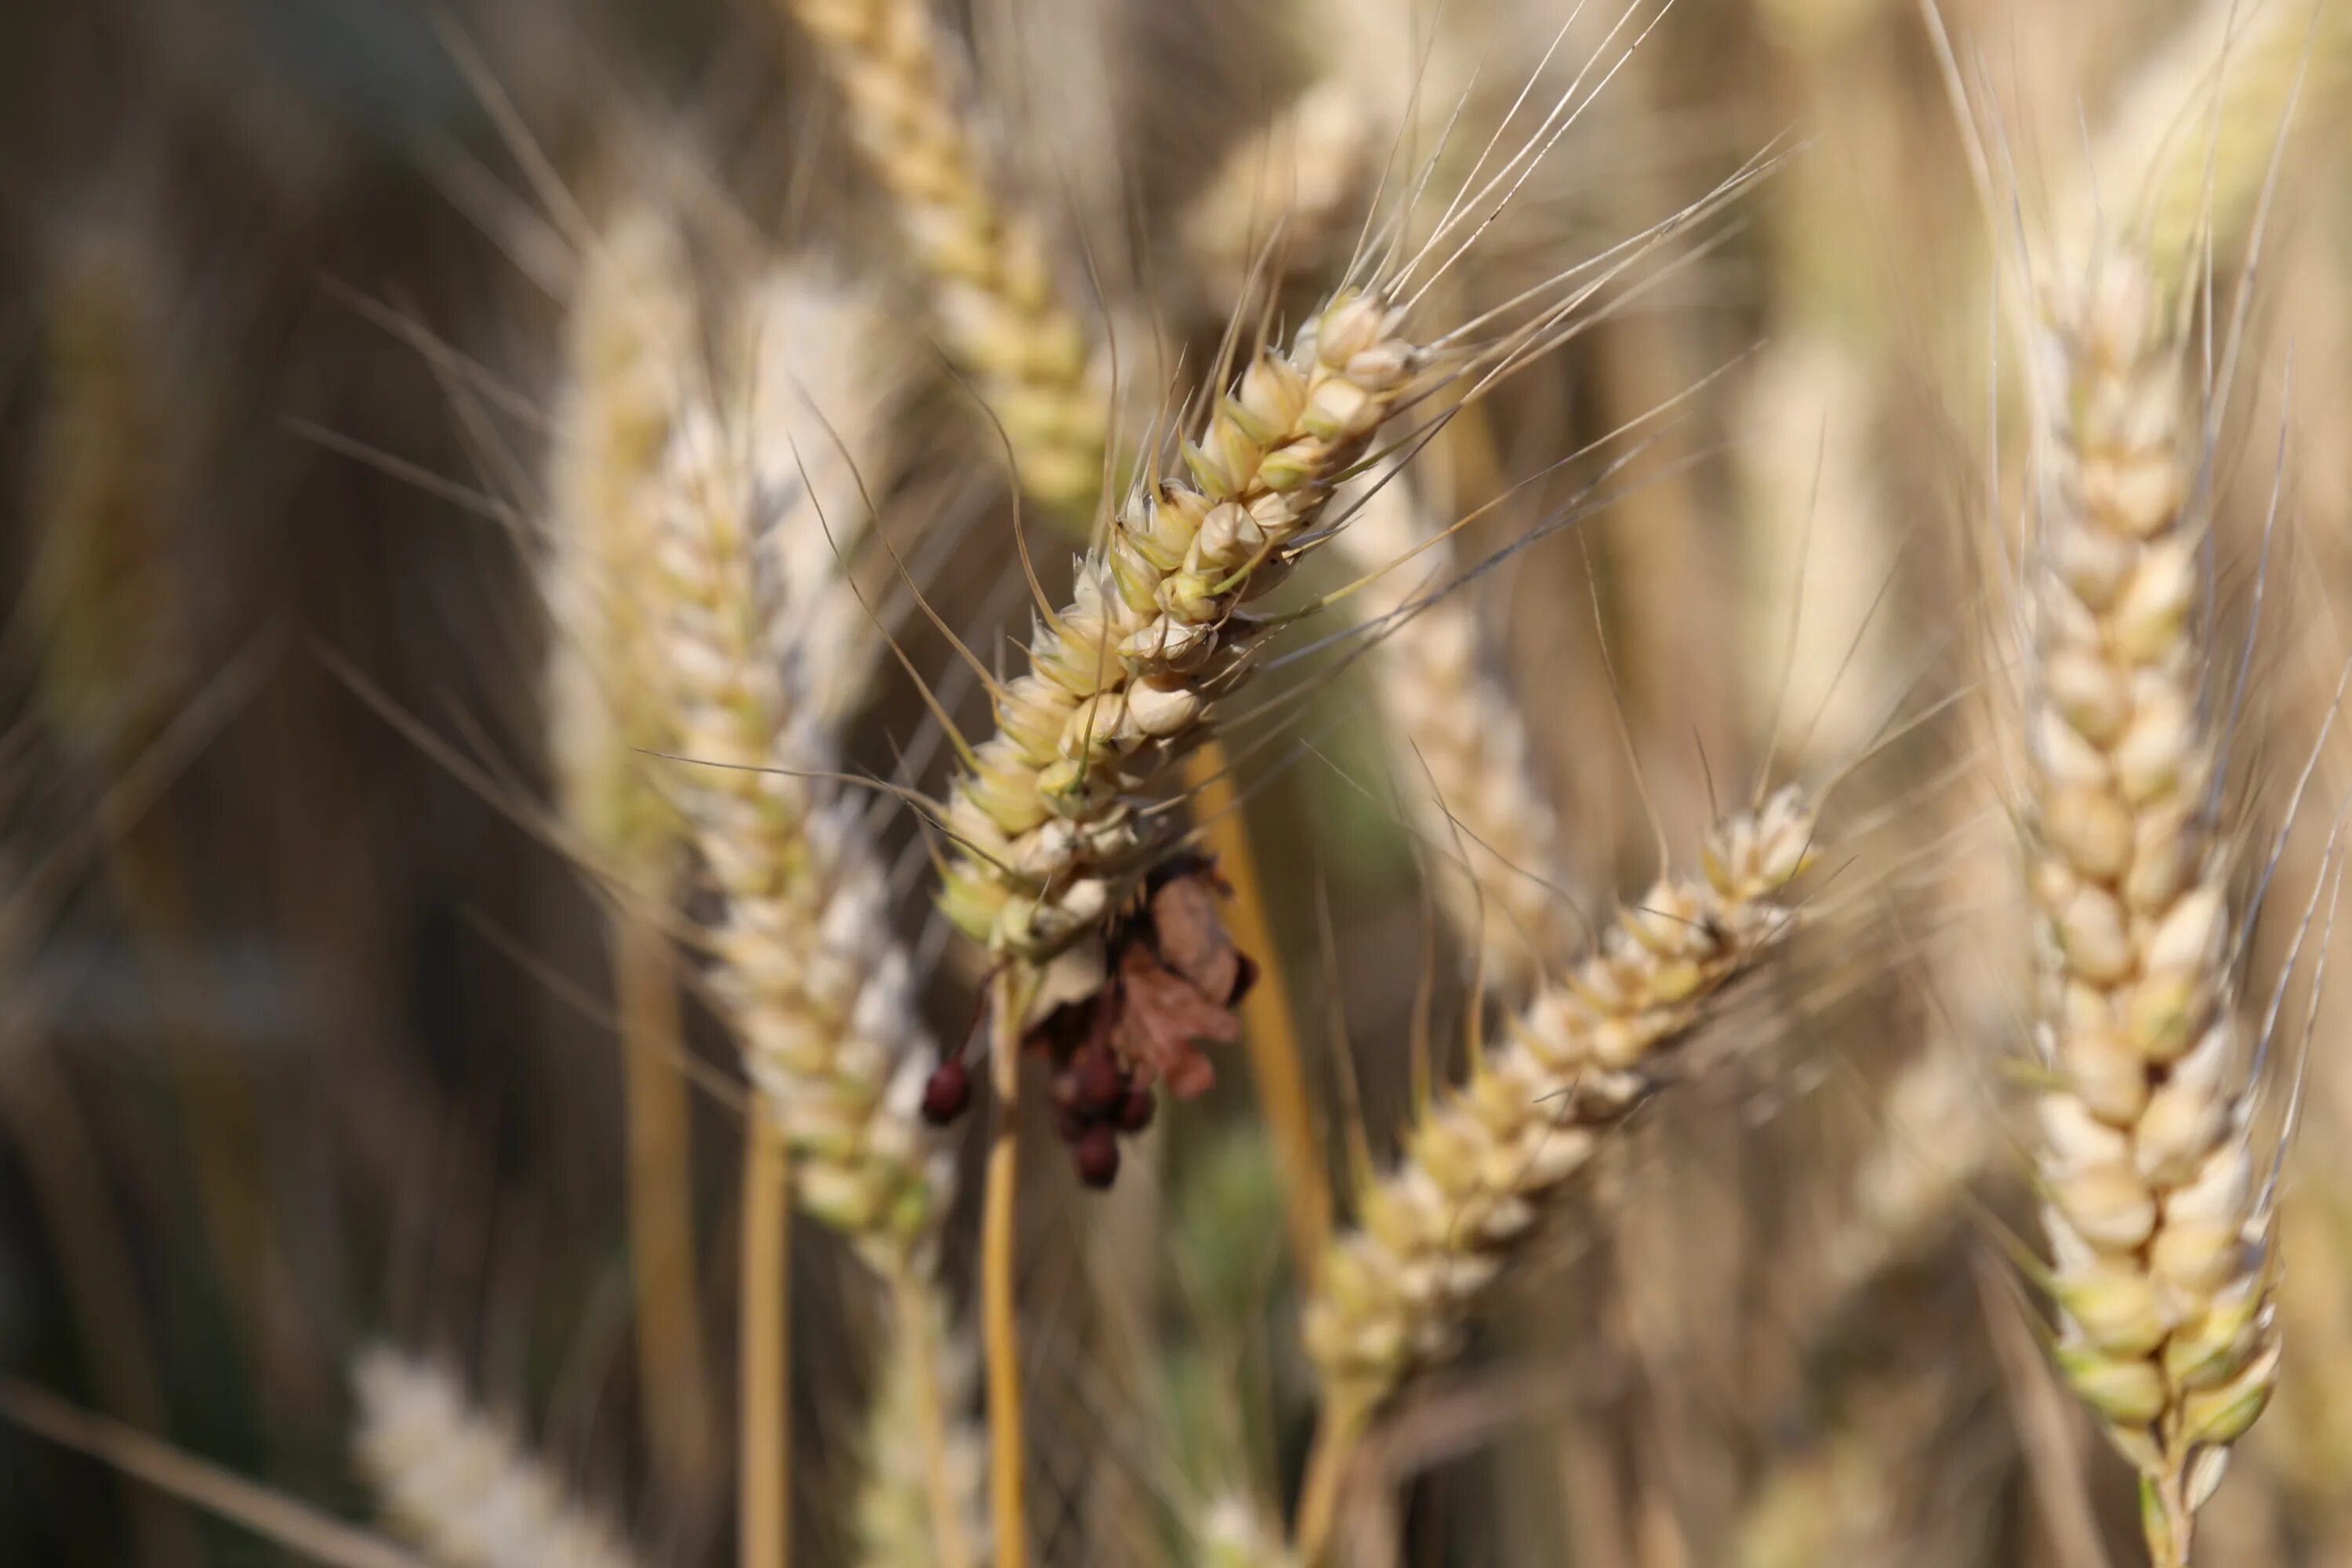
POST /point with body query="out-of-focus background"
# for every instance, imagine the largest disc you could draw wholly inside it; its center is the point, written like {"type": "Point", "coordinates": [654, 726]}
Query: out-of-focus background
{"type": "Point", "coordinates": [306, 1033]}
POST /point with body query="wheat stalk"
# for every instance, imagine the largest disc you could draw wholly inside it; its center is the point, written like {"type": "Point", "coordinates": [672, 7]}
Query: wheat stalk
{"type": "Point", "coordinates": [1395, 1294]}
{"type": "Point", "coordinates": [921, 1459]}
{"type": "Point", "coordinates": [1459, 748]}
{"type": "Point", "coordinates": [458, 1483]}
{"type": "Point", "coordinates": [2160, 1265]}
{"type": "Point", "coordinates": [993, 297]}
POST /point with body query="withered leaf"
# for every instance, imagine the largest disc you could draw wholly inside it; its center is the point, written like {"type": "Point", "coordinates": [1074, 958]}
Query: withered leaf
{"type": "Point", "coordinates": [1160, 1019]}
{"type": "Point", "coordinates": [1192, 939]}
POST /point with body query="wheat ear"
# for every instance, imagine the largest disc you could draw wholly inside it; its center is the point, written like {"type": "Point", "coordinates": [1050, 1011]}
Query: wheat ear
{"type": "Point", "coordinates": [2160, 1263]}
{"type": "Point", "coordinates": [1395, 1294]}
{"type": "Point", "coordinates": [1458, 748]}
{"type": "Point", "coordinates": [993, 297]}
{"type": "Point", "coordinates": [631, 331]}
{"type": "Point", "coordinates": [1051, 838]}
{"type": "Point", "coordinates": [458, 1483]}
{"type": "Point", "coordinates": [1297, 185]}
{"type": "Point", "coordinates": [810, 972]}
{"type": "Point", "coordinates": [2200, 120]}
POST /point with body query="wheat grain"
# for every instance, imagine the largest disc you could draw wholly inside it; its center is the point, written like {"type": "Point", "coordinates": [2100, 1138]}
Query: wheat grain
{"type": "Point", "coordinates": [2160, 1258]}
{"type": "Point", "coordinates": [1394, 1294]}
{"type": "Point", "coordinates": [459, 1484]}
{"type": "Point", "coordinates": [993, 297]}
{"type": "Point", "coordinates": [1459, 750]}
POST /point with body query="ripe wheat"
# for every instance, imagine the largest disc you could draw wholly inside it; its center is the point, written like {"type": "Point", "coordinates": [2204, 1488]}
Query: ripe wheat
{"type": "Point", "coordinates": [2161, 1266]}
{"type": "Point", "coordinates": [1050, 840]}
{"type": "Point", "coordinates": [814, 979]}
{"type": "Point", "coordinates": [1395, 1294]}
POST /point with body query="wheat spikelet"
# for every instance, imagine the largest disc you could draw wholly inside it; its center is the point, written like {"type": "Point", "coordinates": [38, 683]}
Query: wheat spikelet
{"type": "Point", "coordinates": [1394, 1294]}
{"type": "Point", "coordinates": [2160, 1258]}
{"type": "Point", "coordinates": [992, 293]}
{"type": "Point", "coordinates": [928, 1373]}
{"type": "Point", "coordinates": [459, 1484]}
{"type": "Point", "coordinates": [1120, 683]}
{"type": "Point", "coordinates": [813, 978]}
{"type": "Point", "coordinates": [1459, 750]}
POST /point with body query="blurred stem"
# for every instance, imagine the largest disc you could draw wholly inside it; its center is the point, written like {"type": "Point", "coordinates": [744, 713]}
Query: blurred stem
{"type": "Point", "coordinates": [268, 1513]}
{"type": "Point", "coordinates": [765, 1483]}
{"type": "Point", "coordinates": [2167, 1521]}
{"type": "Point", "coordinates": [69, 1185]}
{"type": "Point", "coordinates": [680, 1431]}
{"type": "Point", "coordinates": [216, 1114]}
{"type": "Point", "coordinates": [920, 1329]}
{"type": "Point", "coordinates": [1338, 1430]}
{"type": "Point", "coordinates": [1009, 1001]}
{"type": "Point", "coordinates": [1266, 1021]}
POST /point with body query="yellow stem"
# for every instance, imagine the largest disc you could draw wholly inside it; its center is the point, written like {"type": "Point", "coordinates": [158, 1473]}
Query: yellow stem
{"type": "Point", "coordinates": [681, 1430]}
{"type": "Point", "coordinates": [1000, 1340]}
{"type": "Point", "coordinates": [1338, 1428]}
{"type": "Point", "coordinates": [764, 1508]}
{"type": "Point", "coordinates": [1267, 1028]}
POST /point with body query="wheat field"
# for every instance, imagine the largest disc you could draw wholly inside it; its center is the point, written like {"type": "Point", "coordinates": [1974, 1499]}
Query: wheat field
{"type": "Point", "coordinates": [922, 783]}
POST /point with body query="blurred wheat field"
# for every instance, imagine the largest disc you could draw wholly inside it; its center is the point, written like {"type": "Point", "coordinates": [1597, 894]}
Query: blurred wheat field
{"type": "Point", "coordinates": [1162, 782]}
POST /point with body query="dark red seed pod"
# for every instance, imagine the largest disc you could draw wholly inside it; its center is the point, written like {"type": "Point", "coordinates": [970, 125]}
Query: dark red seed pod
{"type": "Point", "coordinates": [1101, 1085]}
{"type": "Point", "coordinates": [948, 1094]}
{"type": "Point", "coordinates": [1097, 1157]}
{"type": "Point", "coordinates": [1136, 1110]}
{"type": "Point", "coordinates": [1071, 1123]}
